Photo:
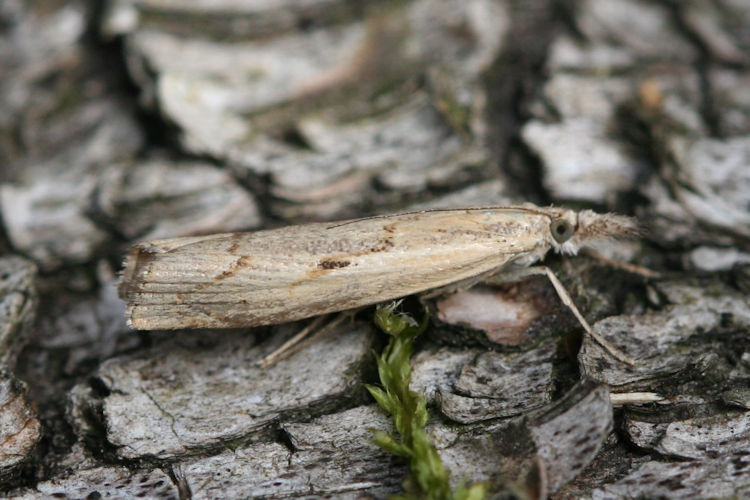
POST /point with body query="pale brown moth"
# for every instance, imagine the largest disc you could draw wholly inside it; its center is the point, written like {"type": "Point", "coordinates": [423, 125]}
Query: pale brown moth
{"type": "Point", "coordinates": [279, 275]}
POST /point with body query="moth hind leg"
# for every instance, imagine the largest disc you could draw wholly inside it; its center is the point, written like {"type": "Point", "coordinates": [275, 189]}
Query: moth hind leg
{"type": "Point", "coordinates": [315, 329]}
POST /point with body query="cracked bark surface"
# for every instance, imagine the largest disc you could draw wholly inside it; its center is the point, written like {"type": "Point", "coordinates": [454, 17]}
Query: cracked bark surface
{"type": "Point", "coordinates": [139, 119]}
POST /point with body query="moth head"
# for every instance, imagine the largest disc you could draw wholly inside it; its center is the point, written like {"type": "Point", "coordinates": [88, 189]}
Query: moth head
{"type": "Point", "coordinates": [571, 231]}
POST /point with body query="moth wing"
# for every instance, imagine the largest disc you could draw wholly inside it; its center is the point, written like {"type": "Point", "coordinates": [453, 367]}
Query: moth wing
{"type": "Point", "coordinates": [267, 277]}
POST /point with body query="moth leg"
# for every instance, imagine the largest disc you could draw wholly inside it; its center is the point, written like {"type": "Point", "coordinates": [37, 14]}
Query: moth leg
{"type": "Point", "coordinates": [307, 334]}
{"type": "Point", "coordinates": [519, 274]}
{"type": "Point", "coordinates": [458, 286]}
{"type": "Point", "coordinates": [631, 268]}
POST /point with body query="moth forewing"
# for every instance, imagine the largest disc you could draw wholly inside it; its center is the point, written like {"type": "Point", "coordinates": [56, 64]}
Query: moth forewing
{"type": "Point", "coordinates": [279, 275]}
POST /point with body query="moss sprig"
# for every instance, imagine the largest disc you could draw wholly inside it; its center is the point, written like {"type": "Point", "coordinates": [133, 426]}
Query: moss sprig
{"type": "Point", "coordinates": [428, 477]}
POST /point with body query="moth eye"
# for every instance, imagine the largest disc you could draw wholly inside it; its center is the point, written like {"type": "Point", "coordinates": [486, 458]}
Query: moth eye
{"type": "Point", "coordinates": [561, 230]}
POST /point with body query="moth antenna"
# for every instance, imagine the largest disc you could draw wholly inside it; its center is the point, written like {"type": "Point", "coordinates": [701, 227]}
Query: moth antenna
{"type": "Point", "coordinates": [593, 226]}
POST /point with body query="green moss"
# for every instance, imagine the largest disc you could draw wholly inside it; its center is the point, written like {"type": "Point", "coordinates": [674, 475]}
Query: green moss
{"type": "Point", "coordinates": [428, 477]}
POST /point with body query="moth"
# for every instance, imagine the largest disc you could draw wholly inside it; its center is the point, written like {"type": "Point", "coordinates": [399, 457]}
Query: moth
{"type": "Point", "coordinates": [279, 275]}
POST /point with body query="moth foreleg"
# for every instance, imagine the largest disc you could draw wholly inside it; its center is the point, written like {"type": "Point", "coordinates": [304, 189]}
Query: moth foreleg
{"type": "Point", "coordinates": [525, 272]}
{"type": "Point", "coordinates": [624, 266]}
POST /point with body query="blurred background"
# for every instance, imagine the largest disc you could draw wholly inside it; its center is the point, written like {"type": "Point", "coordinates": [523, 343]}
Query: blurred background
{"type": "Point", "coordinates": [129, 120]}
